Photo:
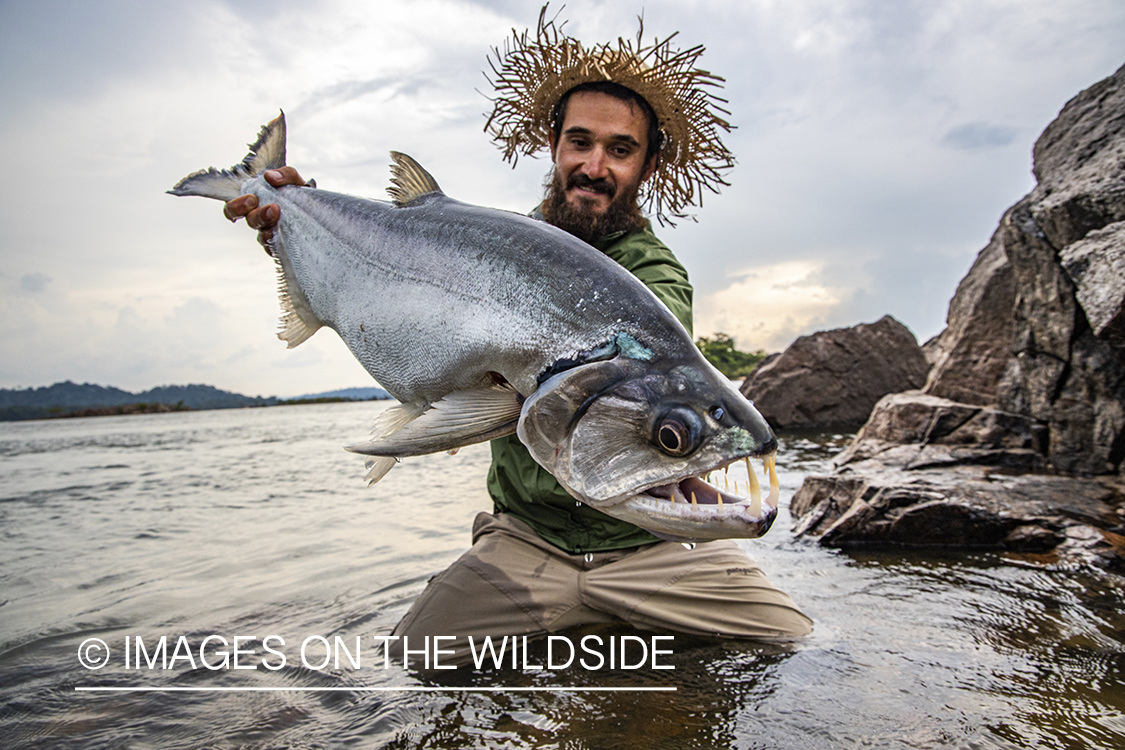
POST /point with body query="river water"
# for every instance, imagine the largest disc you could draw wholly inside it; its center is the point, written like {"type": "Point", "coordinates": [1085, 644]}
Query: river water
{"type": "Point", "coordinates": [206, 526]}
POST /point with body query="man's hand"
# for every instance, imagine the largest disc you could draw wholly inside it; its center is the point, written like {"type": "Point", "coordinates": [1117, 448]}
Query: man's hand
{"type": "Point", "coordinates": [263, 218]}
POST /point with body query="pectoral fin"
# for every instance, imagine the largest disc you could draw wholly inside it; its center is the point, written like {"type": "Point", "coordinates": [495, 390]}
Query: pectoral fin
{"type": "Point", "coordinates": [460, 418]}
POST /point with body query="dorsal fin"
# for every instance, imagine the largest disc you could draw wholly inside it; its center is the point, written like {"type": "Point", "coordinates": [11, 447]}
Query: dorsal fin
{"type": "Point", "coordinates": [409, 181]}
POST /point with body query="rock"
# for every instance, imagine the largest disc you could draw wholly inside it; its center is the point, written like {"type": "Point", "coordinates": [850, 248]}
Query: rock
{"type": "Point", "coordinates": [1037, 327]}
{"type": "Point", "coordinates": [1068, 372]}
{"type": "Point", "coordinates": [923, 431]}
{"type": "Point", "coordinates": [834, 378]}
{"type": "Point", "coordinates": [970, 355]}
{"type": "Point", "coordinates": [1079, 165]}
{"type": "Point", "coordinates": [1045, 316]}
{"type": "Point", "coordinates": [929, 471]}
{"type": "Point", "coordinates": [1096, 265]}
{"type": "Point", "coordinates": [1017, 439]}
{"type": "Point", "coordinates": [1031, 538]}
{"type": "Point", "coordinates": [1062, 374]}
{"type": "Point", "coordinates": [968, 506]}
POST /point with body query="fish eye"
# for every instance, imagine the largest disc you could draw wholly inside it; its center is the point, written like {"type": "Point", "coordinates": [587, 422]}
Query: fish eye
{"type": "Point", "coordinates": [677, 432]}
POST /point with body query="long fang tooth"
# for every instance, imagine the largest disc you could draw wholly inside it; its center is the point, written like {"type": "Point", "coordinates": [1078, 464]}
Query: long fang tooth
{"type": "Point", "coordinates": [693, 500]}
{"type": "Point", "coordinates": [775, 489]}
{"type": "Point", "coordinates": [755, 491]}
{"type": "Point", "coordinates": [720, 496]}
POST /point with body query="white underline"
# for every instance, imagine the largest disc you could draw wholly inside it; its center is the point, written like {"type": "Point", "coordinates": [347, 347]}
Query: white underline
{"type": "Point", "coordinates": [358, 689]}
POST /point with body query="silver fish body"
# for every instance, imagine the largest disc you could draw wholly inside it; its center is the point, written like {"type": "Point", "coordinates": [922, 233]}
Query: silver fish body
{"type": "Point", "coordinates": [433, 296]}
{"type": "Point", "coordinates": [482, 322]}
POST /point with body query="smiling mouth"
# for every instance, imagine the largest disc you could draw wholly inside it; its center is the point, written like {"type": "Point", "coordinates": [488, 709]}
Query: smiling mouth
{"type": "Point", "coordinates": [584, 184]}
{"type": "Point", "coordinates": [591, 197]}
{"type": "Point", "coordinates": [698, 490]}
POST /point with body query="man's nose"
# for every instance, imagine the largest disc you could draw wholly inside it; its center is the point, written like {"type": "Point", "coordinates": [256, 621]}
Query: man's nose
{"type": "Point", "coordinates": [595, 166]}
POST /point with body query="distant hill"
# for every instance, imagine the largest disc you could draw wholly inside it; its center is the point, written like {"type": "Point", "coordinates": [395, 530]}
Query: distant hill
{"type": "Point", "coordinates": [345, 394]}
{"type": "Point", "coordinates": [67, 397]}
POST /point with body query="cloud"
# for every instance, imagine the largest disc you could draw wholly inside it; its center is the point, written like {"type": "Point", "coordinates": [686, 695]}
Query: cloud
{"type": "Point", "coordinates": [767, 307]}
{"type": "Point", "coordinates": [34, 283]}
{"type": "Point", "coordinates": [978, 136]}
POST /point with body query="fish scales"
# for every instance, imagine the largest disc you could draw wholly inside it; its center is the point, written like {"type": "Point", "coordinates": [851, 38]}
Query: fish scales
{"type": "Point", "coordinates": [446, 292]}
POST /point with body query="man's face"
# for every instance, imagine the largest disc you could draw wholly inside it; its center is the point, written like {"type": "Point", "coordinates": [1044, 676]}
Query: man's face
{"type": "Point", "coordinates": [599, 165]}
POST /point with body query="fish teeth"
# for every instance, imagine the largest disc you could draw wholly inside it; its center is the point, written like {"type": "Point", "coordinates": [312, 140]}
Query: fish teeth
{"type": "Point", "coordinates": [770, 464]}
{"type": "Point", "coordinates": [755, 491]}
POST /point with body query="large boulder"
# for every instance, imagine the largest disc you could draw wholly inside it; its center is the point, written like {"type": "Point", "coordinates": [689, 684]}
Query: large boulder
{"type": "Point", "coordinates": [1017, 439]}
{"type": "Point", "coordinates": [834, 378]}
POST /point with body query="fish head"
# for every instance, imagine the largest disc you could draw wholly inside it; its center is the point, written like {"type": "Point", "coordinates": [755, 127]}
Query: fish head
{"type": "Point", "coordinates": [639, 439]}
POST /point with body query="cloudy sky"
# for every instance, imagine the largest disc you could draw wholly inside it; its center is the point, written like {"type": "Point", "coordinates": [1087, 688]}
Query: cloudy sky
{"type": "Point", "coordinates": [878, 143]}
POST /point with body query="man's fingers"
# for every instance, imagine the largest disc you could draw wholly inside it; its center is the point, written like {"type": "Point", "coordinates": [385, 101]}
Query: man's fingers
{"type": "Point", "coordinates": [240, 207]}
{"type": "Point", "coordinates": [283, 176]}
{"type": "Point", "coordinates": [264, 218]}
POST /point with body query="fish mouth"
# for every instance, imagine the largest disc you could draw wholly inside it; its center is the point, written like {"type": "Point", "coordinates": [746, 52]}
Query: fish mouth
{"type": "Point", "coordinates": [696, 498]}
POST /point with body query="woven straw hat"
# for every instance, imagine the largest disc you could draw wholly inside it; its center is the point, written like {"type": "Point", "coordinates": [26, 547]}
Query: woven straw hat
{"type": "Point", "coordinates": [532, 74]}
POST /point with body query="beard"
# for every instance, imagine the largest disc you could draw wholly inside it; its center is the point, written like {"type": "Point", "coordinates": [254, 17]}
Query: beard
{"type": "Point", "coordinates": [583, 220]}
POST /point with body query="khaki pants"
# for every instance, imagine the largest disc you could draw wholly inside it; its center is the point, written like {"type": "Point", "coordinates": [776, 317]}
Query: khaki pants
{"type": "Point", "coordinates": [513, 583]}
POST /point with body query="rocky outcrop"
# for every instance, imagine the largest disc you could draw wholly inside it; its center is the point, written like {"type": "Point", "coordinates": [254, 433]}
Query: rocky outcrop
{"type": "Point", "coordinates": [970, 356]}
{"type": "Point", "coordinates": [1072, 520]}
{"type": "Point", "coordinates": [1017, 439]}
{"type": "Point", "coordinates": [1068, 372]}
{"type": "Point", "coordinates": [834, 378]}
{"type": "Point", "coordinates": [927, 471]}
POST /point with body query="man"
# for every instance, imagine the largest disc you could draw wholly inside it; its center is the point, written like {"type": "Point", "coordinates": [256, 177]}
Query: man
{"type": "Point", "coordinates": [542, 562]}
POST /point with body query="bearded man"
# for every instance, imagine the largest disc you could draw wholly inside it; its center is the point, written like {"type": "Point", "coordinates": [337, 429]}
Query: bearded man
{"type": "Point", "coordinates": [626, 126]}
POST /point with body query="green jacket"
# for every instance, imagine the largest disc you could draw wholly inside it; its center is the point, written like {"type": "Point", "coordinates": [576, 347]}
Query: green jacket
{"type": "Point", "coordinates": [525, 489]}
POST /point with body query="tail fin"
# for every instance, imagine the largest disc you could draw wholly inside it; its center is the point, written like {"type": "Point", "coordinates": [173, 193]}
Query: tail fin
{"type": "Point", "coordinates": [268, 152]}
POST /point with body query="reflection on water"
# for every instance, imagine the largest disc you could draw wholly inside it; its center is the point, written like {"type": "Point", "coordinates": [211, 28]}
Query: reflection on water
{"type": "Point", "coordinates": [255, 523]}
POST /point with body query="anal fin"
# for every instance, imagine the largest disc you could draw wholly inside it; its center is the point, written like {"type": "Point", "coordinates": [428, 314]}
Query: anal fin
{"type": "Point", "coordinates": [377, 468]}
{"type": "Point", "coordinates": [386, 424]}
{"type": "Point", "coordinates": [298, 322]}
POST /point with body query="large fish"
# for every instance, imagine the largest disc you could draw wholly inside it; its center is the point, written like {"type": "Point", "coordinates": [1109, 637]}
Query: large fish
{"type": "Point", "coordinates": [484, 322]}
